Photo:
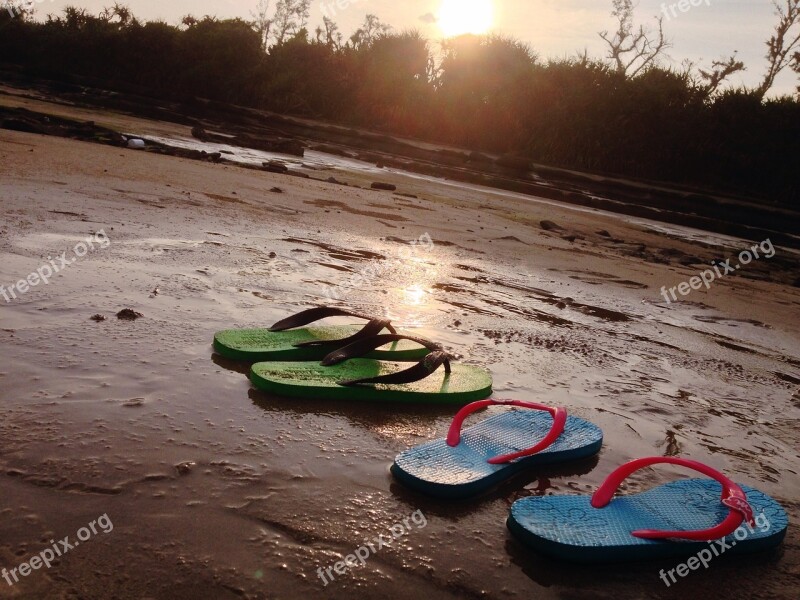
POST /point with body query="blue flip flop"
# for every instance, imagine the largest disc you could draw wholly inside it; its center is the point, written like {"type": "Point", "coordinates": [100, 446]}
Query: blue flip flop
{"type": "Point", "coordinates": [484, 455]}
{"type": "Point", "coordinates": [679, 519]}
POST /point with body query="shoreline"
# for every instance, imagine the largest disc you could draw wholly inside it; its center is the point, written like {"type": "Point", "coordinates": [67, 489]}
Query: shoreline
{"type": "Point", "coordinates": [679, 205]}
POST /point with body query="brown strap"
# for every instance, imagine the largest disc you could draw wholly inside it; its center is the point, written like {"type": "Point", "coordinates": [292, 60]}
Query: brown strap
{"type": "Point", "coordinates": [426, 367]}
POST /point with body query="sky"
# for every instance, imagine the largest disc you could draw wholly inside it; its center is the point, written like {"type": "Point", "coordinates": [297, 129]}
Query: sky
{"type": "Point", "coordinates": [554, 28]}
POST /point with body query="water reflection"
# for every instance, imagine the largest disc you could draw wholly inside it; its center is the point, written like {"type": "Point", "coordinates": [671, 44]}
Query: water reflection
{"type": "Point", "coordinates": [415, 295]}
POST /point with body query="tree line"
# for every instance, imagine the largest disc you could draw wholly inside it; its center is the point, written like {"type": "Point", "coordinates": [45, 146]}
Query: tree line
{"type": "Point", "coordinates": [625, 114]}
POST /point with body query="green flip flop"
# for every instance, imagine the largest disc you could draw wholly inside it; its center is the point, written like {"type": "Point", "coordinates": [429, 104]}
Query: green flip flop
{"type": "Point", "coordinates": [344, 375]}
{"type": "Point", "coordinates": [310, 344]}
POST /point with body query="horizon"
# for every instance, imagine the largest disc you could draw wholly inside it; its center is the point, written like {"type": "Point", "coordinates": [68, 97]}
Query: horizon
{"type": "Point", "coordinates": [711, 30]}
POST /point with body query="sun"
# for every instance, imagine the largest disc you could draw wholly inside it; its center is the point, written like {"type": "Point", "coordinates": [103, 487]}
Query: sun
{"type": "Point", "coordinates": [457, 17]}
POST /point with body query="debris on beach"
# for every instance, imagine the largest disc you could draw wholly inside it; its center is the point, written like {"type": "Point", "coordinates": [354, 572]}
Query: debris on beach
{"type": "Point", "coordinates": [127, 314]}
{"type": "Point", "coordinates": [98, 318]}
{"type": "Point", "coordinates": [276, 166]}
{"type": "Point", "coordinates": [550, 226]}
{"type": "Point", "coordinates": [688, 260]}
{"type": "Point", "coordinates": [384, 186]}
{"type": "Point", "coordinates": [21, 125]}
{"type": "Point", "coordinates": [26, 121]}
{"type": "Point", "coordinates": [185, 467]}
{"type": "Point", "coordinates": [199, 133]}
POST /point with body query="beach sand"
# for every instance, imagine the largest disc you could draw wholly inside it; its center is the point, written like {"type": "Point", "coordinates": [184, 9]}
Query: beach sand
{"type": "Point", "coordinates": [218, 491]}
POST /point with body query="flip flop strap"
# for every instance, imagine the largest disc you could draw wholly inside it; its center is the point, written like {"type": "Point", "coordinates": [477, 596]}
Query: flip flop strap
{"type": "Point", "coordinates": [311, 315]}
{"type": "Point", "coordinates": [733, 497]}
{"type": "Point", "coordinates": [369, 330]}
{"type": "Point", "coordinates": [365, 346]}
{"type": "Point", "coordinates": [559, 421]}
{"type": "Point", "coordinates": [426, 367]}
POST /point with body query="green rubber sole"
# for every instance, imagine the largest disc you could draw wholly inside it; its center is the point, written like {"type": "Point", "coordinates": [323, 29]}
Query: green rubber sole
{"type": "Point", "coordinates": [257, 345]}
{"type": "Point", "coordinates": [310, 380]}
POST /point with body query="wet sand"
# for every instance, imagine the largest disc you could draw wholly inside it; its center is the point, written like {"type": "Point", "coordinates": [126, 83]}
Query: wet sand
{"type": "Point", "coordinates": [218, 491]}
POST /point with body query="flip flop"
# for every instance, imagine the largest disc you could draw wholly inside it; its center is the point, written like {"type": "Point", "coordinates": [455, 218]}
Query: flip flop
{"type": "Point", "coordinates": [345, 376]}
{"type": "Point", "coordinates": [313, 343]}
{"type": "Point", "coordinates": [678, 519]}
{"type": "Point", "coordinates": [484, 455]}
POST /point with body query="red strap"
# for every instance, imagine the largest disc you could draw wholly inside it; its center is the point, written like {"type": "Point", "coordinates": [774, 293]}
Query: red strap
{"type": "Point", "coordinates": [732, 496]}
{"type": "Point", "coordinates": [559, 420]}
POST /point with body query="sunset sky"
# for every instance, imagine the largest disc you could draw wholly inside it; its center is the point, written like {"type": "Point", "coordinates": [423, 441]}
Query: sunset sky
{"type": "Point", "coordinates": [554, 28]}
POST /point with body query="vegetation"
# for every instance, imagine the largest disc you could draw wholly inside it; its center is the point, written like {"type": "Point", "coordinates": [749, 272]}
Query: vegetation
{"type": "Point", "coordinates": [627, 115]}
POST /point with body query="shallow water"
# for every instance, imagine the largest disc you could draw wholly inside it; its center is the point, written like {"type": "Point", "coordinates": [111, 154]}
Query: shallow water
{"type": "Point", "coordinates": [217, 490]}
{"type": "Point", "coordinates": [320, 161]}
{"type": "Point", "coordinates": [249, 156]}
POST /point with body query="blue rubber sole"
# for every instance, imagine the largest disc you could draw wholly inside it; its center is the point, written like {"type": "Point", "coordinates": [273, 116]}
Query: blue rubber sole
{"type": "Point", "coordinates": [569, 528]}
{"type": "Point", "coordinates": [437, 469]}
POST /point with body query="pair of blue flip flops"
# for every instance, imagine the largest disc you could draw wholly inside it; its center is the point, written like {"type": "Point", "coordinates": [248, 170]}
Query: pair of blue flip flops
{"type": "Point", "coordinates": [680, 518]}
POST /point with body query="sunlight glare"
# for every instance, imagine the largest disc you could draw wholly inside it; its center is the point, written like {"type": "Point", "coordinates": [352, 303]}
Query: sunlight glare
{"type": "Point", "coordinates": [415, 295]}
{"type": "Point", "coordinates": [457, 17]}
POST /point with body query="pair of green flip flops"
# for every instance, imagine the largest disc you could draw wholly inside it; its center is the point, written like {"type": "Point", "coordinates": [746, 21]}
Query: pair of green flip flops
{"type": "Point", "coordinates": [351, 362]}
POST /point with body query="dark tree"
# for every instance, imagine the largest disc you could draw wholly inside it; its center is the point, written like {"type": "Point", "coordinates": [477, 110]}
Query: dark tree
{"type": "Point", "coordinates": [633, 49]}
{"type": "Point", "coordinates": [784, 43]}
